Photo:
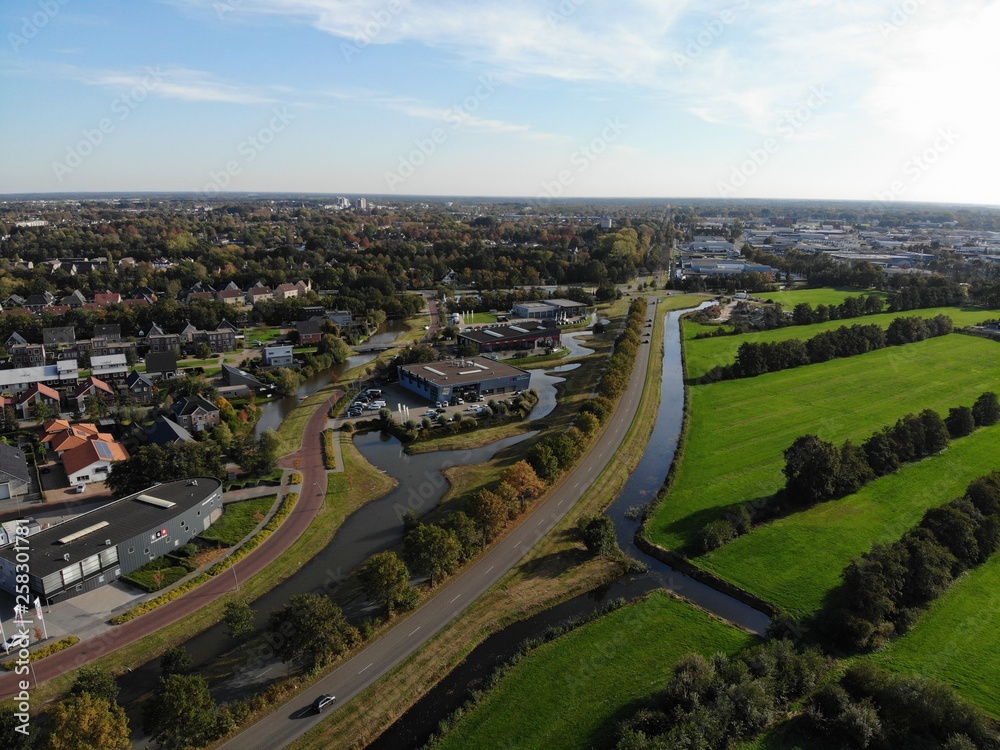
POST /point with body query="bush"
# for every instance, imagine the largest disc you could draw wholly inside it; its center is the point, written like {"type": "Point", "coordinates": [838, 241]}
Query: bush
{"type": "Point", "coordinates": [52, 648]}
{"type": "Point", "coordinates": [714, 535]}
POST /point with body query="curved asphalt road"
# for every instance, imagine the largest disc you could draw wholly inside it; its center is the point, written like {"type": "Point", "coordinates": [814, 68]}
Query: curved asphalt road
{"type": "Point", "coordinates": [291, 720]}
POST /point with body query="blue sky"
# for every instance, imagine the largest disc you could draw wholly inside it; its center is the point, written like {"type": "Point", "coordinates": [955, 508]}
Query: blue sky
{"type": "Point", "coordinates": [854, 99]}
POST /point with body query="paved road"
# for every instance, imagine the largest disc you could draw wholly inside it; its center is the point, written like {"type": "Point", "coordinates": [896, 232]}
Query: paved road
{"type": "Point", "coordinates": [310, 464]}
{"type": "Point", "coordinates": [291, 720]}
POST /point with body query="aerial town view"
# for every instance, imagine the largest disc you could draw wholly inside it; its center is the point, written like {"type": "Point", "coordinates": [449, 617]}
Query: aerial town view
{"type": "Point", "coordinates": [549, 376]}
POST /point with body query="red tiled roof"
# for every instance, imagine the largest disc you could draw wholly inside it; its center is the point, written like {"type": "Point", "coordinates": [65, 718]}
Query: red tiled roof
{"type": "Point", "coordinates": [39, 388]}
{"type": "Point", "coordinates": [86, 454]}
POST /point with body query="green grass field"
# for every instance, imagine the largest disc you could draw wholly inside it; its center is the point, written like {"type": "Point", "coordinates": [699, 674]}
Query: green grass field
{"type": "Point", "coordinates": [957, 640]}
{"type": "Point", "coordinates": [797, 560]}
{"type": "Point", "coordinates": [739, 429]}
{"type": "Point", "coordinates": [572, 692]}
{"type": "Point", "coordinates": [821, 296]}
{"type": "Point", "coordinates": [704, 354]}
{"type": "Point", "coordinates": [238, 520]}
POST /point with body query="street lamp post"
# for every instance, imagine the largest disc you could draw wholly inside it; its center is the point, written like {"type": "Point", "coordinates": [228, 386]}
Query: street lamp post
{"type": "Point", "coordinates": [232, 567]}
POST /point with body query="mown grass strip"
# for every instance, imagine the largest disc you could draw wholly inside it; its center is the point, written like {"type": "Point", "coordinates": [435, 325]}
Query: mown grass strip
{"type": "Point", "coordinates": [571, 693]}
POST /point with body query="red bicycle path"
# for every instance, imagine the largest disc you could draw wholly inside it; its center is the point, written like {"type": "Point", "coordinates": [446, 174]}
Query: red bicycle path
{"type": "Point", "coordinates": [310, 456]}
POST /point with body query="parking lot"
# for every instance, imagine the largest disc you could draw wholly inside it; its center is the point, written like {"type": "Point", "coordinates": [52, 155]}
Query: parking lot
{"type": "Point", "coordinates": [395, 396]}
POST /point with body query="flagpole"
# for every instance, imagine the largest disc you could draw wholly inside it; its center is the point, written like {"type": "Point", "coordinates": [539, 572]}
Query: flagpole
{"type": "Point", "coordinates": [38, 611]}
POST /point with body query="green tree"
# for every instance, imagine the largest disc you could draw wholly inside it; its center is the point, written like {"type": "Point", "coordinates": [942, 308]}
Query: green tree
{"type": "Point", "coordinates": [181, 713]}
{"type": "Point", "coordinates": [335, 347]}
{"type": "Point", "coordinates": [175, 660]}
{"type": "Point", "coordinates": [238, 616]}
{"type": "Point", "coordinates": [986, 410]}
{"type": "Point", "coordinates": [811, 467]}
{"type": "Point", "coordinates": [202, 351]}
{"type": "Point", "coordinates": [386, 579]}
{"type": "Point", "coordinates": [432, 550]}
{"type": "Point", "coordinates": [14, 738]}
{"type": "Point", "coordinates": [95, 408]}
{"type": "Point", "coordinates": [543, 461]}
{"type": "Point", "coordinates": [313, 627]}
{"type": "Point", "coordinates": [599, 536]}
{"type": "Point", "coordinates": [88, 722]}
{"type": "Point", "coordinates": [97, 682]}
{"type": "Point", "coordinates": [960, 421]}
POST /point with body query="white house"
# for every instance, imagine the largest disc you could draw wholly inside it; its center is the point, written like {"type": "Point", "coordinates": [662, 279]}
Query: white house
{"type": "Point", "coordinates": [109, 367]}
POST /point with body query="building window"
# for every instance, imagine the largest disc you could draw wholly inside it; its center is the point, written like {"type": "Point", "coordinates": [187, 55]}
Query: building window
{"type": "Point", "coordinates": [147, 551]}
{"type": "Point", "coordinates": [131, 550]}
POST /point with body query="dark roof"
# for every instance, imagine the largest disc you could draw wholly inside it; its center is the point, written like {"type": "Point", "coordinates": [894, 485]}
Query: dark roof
{"type": "Point", "coordinates": [63, 335]}
{"type": "Point", "coordinates": [225, 325]}
{"type": "Point", "coordinates": [107, 331]}
{"type": "Point", "coordinates": [126, 518]}
{"type": "Point", "coordinates": [37, 299]}
{"type": "Point", "coordinates": [311, 326]}
{"type": "Point", "coordinates": [235, 376]}
{"type": "Point", "coordinates": [135, 376]}
{"type": "Point", "coordinates": [190, 404]}
{"type": "Point", "coordinates": [463, 371]}
{"type": "Point", "coordinates": [166, 431]}
{"type": "Point", "coordinates": [13, 463]}
{"type": "Point", "coordinates": [494, 334]}
{"type": "Point", "coordinates": [161, 362]}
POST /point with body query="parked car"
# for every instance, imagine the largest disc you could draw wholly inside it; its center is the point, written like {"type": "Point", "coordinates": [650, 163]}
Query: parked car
{"type": "Point", "coordinates": [322, 702]}
{"type": "Point", "coordinates": [15, 641]}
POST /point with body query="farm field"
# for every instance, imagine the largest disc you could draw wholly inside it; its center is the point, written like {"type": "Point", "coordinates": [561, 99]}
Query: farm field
{"type": "Point", "coordinates": [571, 693]}
{"type": "Point", "coordinates": [797, 560]}
{"type": "Point", "coordinates": [739, 429]}
{"type": "Point", "coordinates": [957, 640]}
{"type": "Point", "coordinates": [704, 354]}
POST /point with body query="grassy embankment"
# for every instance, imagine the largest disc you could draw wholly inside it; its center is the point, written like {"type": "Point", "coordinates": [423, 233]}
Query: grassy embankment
{"type": "Point", "coordinates": [571, 693]}
{"type": "Point", "coordinates": [556, 569]}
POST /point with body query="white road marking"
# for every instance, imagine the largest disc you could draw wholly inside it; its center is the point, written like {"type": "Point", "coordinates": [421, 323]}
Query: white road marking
{"type": "Point", "coordinates": [455, 599]}
{"type": "Point", "coordinates": [490, 568]}
{"type": "Point", "coordinates": [263, 673]}
{"type": "Point", "coordinates": [415, 630]}
{"type": "Point", "coordinates": [366, 668]}
{"type": "Point", "coordinates": [518, 544]}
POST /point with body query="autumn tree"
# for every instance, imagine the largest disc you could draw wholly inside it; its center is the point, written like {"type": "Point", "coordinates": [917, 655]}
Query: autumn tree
{"type": "Point", "coordinates": [88, 722]}
{"type": "Point", "coordinates": [524, 479]}
{"type": "Point", "coordinates": [490, 514]}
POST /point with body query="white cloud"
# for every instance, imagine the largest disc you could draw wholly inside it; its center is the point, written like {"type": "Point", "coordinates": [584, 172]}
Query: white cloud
{"type": "Point", "coordinates": [176, 83]}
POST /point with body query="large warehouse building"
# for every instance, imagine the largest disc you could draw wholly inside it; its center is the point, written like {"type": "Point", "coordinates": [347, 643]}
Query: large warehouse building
{"type": "Point", "coordinates": [462, 378]}
{"type": "Point", "coordinates": [100, 546]}
{"type": "Point", "coordinates": [525, 335]}
{"type": "Point", "coordinates": [549, 309]}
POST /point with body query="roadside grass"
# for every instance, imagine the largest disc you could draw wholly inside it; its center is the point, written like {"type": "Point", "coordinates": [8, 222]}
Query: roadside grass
{"type": "Point", "coordinates": [554, 570]}
{"type": "Point", "coordinates": [796, 561]}
{"type": "Point", "coordinates": [146, 576]}
{"type": "Point", "coordinates": [238, 520]}
{"type": "Point", "coordinates": [704, 354]}
{"type": "Point", "coordinates": [572, 692]}
{"type": "Point", "coordinates": [291, 431]}
{"type": "Point", "coordinates": [819, 296]}
{"type": "Point", "coordinates": [957, 639]}
{"type": "Point", "coordinates": [739, 429]}
{"type": "Point", "coordinates": [359, 484]}
{"type": "Point", "coordinates": [539, 359]}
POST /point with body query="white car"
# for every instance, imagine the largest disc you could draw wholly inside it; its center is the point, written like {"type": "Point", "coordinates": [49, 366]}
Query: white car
{"type": "Point", "coordinates": [15, 641]}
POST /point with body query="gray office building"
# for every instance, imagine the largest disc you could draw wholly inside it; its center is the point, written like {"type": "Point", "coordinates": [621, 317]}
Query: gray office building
{"type": "Point", "coordinates": [100, 546]}
{"type": "Point", "coordinates": [469, 376]}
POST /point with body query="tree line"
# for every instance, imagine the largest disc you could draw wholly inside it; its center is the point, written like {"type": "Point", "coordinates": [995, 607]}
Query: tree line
{"type": "Point", "coordinates": [759, 358]}
{"type": "Point", "coordinates": [720, 702]}
{"type": "Point", "coordinates": [619, 366]}
{"type": "Point", "coordinates": [884, 590]}
{"type": "Point", "coordinates": [817, 470]}
{"type": "Point", "coordinates": [871, 707]}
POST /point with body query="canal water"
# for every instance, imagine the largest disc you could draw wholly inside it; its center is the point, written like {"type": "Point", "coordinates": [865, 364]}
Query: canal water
{"type": "Point", "coordinates": [414, 728]}
{"type": "Point", "coordinates": [274, 412]}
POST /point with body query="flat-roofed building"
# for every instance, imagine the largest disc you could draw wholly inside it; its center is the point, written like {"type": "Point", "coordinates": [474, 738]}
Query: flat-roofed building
{"type": "Point", "coordinates": [469, 376]}
{"type": "Point", "coordinates": [96, 548]}
{"type": "Point", "coordinates": [527, 334]}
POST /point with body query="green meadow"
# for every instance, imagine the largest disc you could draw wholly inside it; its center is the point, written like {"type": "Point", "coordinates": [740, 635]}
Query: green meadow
{"type": "Point", "coordinates": [957, 640]}
{"type": "Point", "coordinates": [572, 692]}
{"type": "Point", "coordinates": [797, 560]}
{"type": "Point", "coordinates": [819, 296]}
{"type": "Point", "coordinates": [739, 429]}
{"type": "Point", "coordinates": [704, 354]}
